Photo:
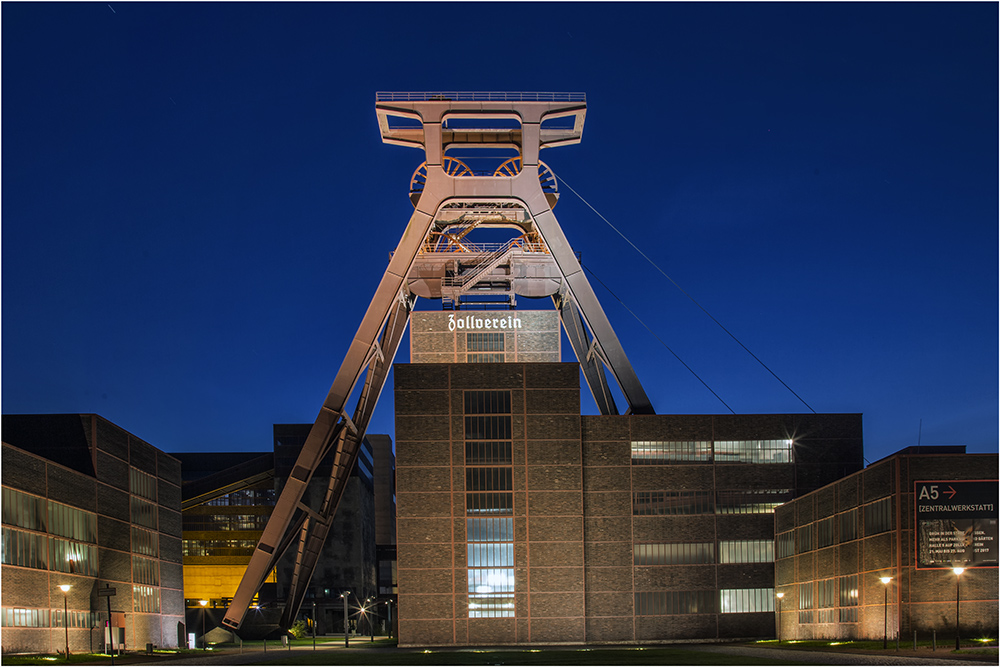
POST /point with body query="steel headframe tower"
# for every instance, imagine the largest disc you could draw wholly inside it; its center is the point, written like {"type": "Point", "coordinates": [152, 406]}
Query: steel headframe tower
{"type": "Point", "coordinates": [435, 260]}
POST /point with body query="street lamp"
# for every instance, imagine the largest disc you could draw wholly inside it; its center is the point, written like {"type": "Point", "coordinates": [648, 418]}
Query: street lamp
{"type": "Point", "coordinates": [958, 598]}
{"type": "Point", "coordinates": [204, 638]}
{"type": "Point", "coordinates": [371, 621]}
{"type": "Point", "coordinates": [347, 627]}
{"type": "Point", "coordinates": [885, 609]}
{"type": "Point", "coordinates": [779, 596]}
{"type": "Point", "coordinates": [388, 621]}
{"type": "Point", "coordinates": [314, 625]}
{"type": "Point", "coordinates": [65, 589]}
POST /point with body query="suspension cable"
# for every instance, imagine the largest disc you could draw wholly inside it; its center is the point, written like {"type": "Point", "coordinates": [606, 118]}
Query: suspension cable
{"type": "Point", "coordinates": [693, 300]}
{"type": "Point", "coordinates": [591, 272]}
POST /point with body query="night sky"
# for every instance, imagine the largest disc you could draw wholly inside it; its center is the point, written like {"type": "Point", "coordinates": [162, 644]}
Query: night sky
{"type": "Point", "coordinates": [197, 206]}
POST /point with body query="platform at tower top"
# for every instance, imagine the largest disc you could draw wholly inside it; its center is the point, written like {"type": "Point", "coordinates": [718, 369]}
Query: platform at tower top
{"type": "Point", "coordinates": [467, 96]}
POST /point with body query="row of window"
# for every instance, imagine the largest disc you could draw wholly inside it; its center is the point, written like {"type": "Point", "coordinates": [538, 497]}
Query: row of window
{"type": "Point", "coordinates": [245, 498]}
{"type": "Point", "coordinates": [725, 601]}
{"type": "Point", "coordinates": [667, 503]}
{"type": "Point", "coordinates": [484, 342]}
{"type": "Point", "coordinates": [832, 600]}
{"type": "Point", "coordinates": [142, 484]}
{"type": "Point", "coordinates": [659, 452]}
{"type": "Point", "coordinates": [841, 527]}
{"type": "Point", "coordinates": [218, 547]}
{"type": "Point", "coordinates": [42, 552]}
{"type": "Point", "coordinates": [34, 513]}
{"type": "Point", "coordinates": [730, 551]}
{"type": "Point", "coordinates": [228, 522]}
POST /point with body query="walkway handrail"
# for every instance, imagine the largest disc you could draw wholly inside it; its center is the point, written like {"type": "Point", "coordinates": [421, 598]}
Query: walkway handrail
{"type": "Point", "coordinates": [470, 96]}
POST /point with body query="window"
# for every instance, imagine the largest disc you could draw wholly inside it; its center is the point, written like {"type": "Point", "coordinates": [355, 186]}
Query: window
{"type": "Point", "coordinates": [25, 549]}
{"type": "Point", "coordinates": [848, 525]}
{"type": "Point", "coordinates": [245, 498]}
{"type": "Point", "coordinates": [757, 501]}
{"type": "Point", "coordinates": [146, 599]}
{"type": "Point", "coordinates": [24, 511]}
{"type": "Point", "coordinates": [487, 453]}
{"type": "Point", "coordinates": [77, 619]}
{"type": "Point", "coordinates": [806, 603]}
{"type": "Point", "coordinates": [848, 591]}
{"type": "Point", "coordinates": [142, 484]}
{"type": "Point", "coordinates": [753, 451]}
{"type": "Point", "coordinates": [824, 532]}
{"type": "Point", "coordinates": [805, 538]}
{"type": "Point", "coordinates": [489, 492]}
{"type": "Point", "coordinates": [745, 600]}
{"type": "Point", "coordinates": [145, 542]}
{"type": "Point", "coordinates": [145, 571]}
{"type": "Point", "coordinates": [786, 544]}
{"type": "Point", "coordinates": [665, 603]}
{"type": "Point", "coordinates": [143, 513]}
{"type": "Point", "coordinates": [72, 557]}
{"type": "Point", "coordinates": [746, 551]}
{"type": "Point", "coordinates": [214, 522]}
{"type": "Point", "coordinates": [218, 547]}
{"type": "Point", "coordinates": [826, 593]}
{"type": "Point", "coordinates": [878, 516]}
{"type": "Point", "coordinates": [645, 452]}
{"type": "Point", "coordinates": [484, 348]}
{"type": "Point", "coordinates": [25, 618]}
{"type": "Point", "coordinates": [674, 553]}
{"type": "Point", "coordinates": [73, 523]}
{"type": "Point", "coordinates": [671, 502]}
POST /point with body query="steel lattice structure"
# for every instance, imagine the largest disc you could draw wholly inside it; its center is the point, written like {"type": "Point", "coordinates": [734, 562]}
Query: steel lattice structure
{"type": "Point", "coordinates": [434, 259]}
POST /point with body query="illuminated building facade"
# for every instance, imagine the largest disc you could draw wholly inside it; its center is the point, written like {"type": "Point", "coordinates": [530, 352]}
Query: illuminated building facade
{"type": "Point", "coordinates": [522, 522]}
{"type": "Point", "coordinates": [871, 556]}
{"type": "Point", "coordinates": [89, 506]}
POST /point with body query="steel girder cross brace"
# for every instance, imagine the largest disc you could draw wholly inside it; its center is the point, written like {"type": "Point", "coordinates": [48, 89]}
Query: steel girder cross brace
{"type": "Point", "coordinates": [374, 347]}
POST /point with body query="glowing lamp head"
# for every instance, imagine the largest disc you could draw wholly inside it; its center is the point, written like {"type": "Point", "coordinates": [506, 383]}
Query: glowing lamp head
{"type": "Point", "coordinates": [780, 595]}
{"type": "Point", "coordinates": [203, 603]}
{"type": "Point", "coordinates": [885, 580]}
{"type": "Point", "coordinates": [64, 588]}
{"type": "Point", "coordinates": [958, 570]}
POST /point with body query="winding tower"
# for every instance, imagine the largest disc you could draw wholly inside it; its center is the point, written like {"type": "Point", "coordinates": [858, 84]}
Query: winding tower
{"type": "Point", "coordinates": [481, 171]}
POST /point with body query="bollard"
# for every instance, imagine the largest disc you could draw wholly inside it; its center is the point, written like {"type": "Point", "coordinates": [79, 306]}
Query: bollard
{"type": "Point", "coordinates": [914, 640]}
{"type": "Point", "coordinates": [933, 640]}
{"type": "Point", "coordinates": [265, 644]}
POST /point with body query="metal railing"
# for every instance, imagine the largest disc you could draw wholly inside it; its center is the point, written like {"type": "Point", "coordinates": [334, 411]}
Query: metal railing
{"type": "Point", "coordinates": [468, 96]}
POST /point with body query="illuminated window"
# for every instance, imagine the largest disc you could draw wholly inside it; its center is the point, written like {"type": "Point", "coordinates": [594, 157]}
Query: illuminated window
{"type": "Point", "coordinates": [755, 501]}
{"type": "Point", "coordinates": [145, 542]}
{"type": "Point", "coordinates": [848, 593]}
{"type": "Point", "coordinates": [671, 502]}
{"type": "Point", "coordinates": [484, 342]}
{"type": "Point", "coordinates": [25, 618]}
{"type": "Point", "coordinates": [657, 452]}
{"type": "Point", "coordinates": [745, 600]}
{"type": "Point", "coordinates": [746, 551]}
{"type": "Point", "coordinates": [806, 603]}
{"type": "Point", "coordinates": [70, 522]}
{"type": "Point", "coordinates": [674, 553]}
{"type": "Point", "coordinates": [824, 532]}
{"type": "Point", "coordinates": [667, 603]}
{"type": "Point", "coordinates": [753, 451]}
{"type": "Point", "coordinates": [72, 557]}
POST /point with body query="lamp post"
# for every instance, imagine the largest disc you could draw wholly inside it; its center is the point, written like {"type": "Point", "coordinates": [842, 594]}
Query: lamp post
{"type": "Point", "coordinates": [371, 620]}
{"type": "Point", "coordinates": [204, 639]}
{"type": "Point", "coordinates": [885, 609]}
{"type": "Point", "coordinates": [958, 598]}
{"type": "Point", "coordinates": [314, 625]}
{"type": "Point", "coordinates": [388, 627]}
{"type": "Point", "coordinates": [779, 596]}
{"type": "Point", "coordinates": [65, 589]}
{"type": "Point", "coordinates": [347, 627]}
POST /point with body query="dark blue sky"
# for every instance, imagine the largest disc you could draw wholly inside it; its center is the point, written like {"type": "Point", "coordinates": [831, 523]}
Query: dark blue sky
{"type": "Point", "coordinates": [197, 206]}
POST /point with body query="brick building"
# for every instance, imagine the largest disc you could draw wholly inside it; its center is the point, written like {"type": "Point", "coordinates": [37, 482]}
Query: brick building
{"type": "Point", "coordinates": [88, 505]}
{"type": "Point", "coordinates": [836, 544]}
{"type": "Point", "coordinates": [520, 521]}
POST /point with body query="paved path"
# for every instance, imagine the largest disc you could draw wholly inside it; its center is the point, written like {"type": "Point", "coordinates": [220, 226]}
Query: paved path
{"type": "Point", "coordinates": [832, 658]}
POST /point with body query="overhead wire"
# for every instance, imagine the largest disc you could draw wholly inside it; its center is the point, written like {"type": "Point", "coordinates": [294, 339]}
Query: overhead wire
{"type": "Point", "coordinates": [691, 370]}
{"type": "Point", "coordinates": [693, 300]}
